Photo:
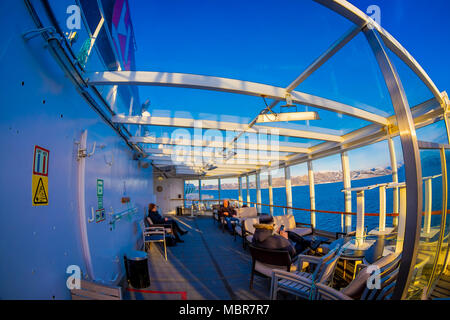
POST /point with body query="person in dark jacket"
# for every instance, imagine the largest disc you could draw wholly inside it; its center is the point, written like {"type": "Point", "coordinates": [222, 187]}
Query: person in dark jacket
{"type": "Point", "coordinates": [156, 218]}
{"type": "Point", "coordinates": [266, 237]}
{"type": "Point", "coordinates": [228, 213]}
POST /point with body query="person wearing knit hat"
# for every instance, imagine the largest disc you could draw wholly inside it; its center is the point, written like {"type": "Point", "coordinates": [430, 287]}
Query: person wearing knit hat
{"type": "Point", "coordinates": [265, 236]}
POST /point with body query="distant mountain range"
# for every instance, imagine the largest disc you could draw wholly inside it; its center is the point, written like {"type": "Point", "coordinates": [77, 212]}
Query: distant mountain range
{"type": "Point", "coordinates": [319, 177]}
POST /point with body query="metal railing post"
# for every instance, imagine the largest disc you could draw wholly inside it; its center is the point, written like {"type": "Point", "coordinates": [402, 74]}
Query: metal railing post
{"type": "Point", "coordinates": [247, 180]}
{"type": "Point", "coordinates": [312, 193]}
{"type": "Point", "coordinates": [287, 178]}
{"type": "Point", "coordinates": [395, 199]}
{"type": "Point", "coordinates": [382, 214]}
{"type": "Point", "coordinates": [270, 192]}
{"type": "Point", "coordinates": [258, 191]}
{"type": "Point", "coordinates": [360, 218]}
{"type": "Point", "coordinates": [428, 205]}
{"type": "Point", "coordinates": [348, 194]}
{"type": "Point", "coordinates": [401, 220]}
{"type": "Point", "coordinates": [240, 191]}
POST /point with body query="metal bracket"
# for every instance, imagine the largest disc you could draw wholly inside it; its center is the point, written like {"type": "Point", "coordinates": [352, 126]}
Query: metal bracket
{"type": "Point", "coordinates": [35, 32]}
{"type": "Point", "coordinates": [446, 102]}
{"type": "Point", "coordinates": [82, 153]}
{"type": "Point", "coordinates": [92, 219]}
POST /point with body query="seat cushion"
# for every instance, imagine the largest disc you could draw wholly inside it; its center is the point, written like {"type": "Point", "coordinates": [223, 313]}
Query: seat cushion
{"type": "Point", "coordinates": [246, 212]}
{"type": "Point", "coordinates": [249, 238]}
{"type": "Point", "coordinates": [154, 237]}
{"type": "Point", "coordinates": [249, 224]}
{"type": "Point", "coordinates": [238, 230]}
{"type": "Point", "coordinates": [289, 222]}
{"type": "Point", "coordinates": [294, 285]}
{"type": "Point", "coordinates": [266, 269]}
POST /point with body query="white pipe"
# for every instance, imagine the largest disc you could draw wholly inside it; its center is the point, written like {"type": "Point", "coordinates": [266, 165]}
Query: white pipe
{"type": "Point", "coordinates": [360, 218]}
{"type": "Point", "coordinates": [401, 221]}
{"type": "Point", "coordinates": [348, 194]}
{"type": "Point", "coordinates": [287, 179]}
{"type": "Point", "coordinates": [270, 192]}
{"type": "Point", "coordinates": [312, 193]}
{"type": "Point", "coordinates": [258, 192]}
{"type": "Point", "coordinates": [247, 181]}
{"type": "Point", "coordinates": [382, 218]}
{"type": "Point", "coordinates": [428, 206]}
{"type": "Point", "coordinates": [240, 191]}
{"type": "Point", "coordinates": [82, 209]}
{"type": "Point", "coordinates": [395, 197]}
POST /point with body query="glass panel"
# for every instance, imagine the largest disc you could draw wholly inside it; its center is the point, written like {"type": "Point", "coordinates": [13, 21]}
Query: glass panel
{"type": "Point", "coordinates": [368, 171]}
{"type": "Point", "coordinates": [190, 192]}
{"type": "Point", "coordinates": [210, 191]}
{"type": "Point", "coordinates": [231, 39]}
{"type": "Point", "coordinates": [352, 76]}
{"type": "Point", "coordinates": [431, 224]}
{"type": "Point", "coordinates": [300, 192]}
{"type": "Point", "coordinates": [229, 189]}
{"type": "Point", "coordinates": [442, 267]}
{"type": "Point", "coordinates": [279, 191]}
{"type": "Point", "coordinates": [328, 180]}
{"type": "Point", "coordinates": [252, 189]}
{"type": "Point", "coordinates": [264, 177]}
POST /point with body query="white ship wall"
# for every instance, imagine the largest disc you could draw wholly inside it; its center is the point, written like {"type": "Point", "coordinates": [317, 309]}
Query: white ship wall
{"type": "Point", "coordinates": [39, 106]}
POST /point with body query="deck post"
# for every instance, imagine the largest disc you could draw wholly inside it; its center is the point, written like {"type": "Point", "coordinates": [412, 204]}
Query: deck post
{"type": "Point", "coordinates": [258, 192]}
{"type": "Point", "coordinates": [312, 193]}
{"type": "Point", "coordinates": [247, 182]}
{"type": "Point", "coordinates": [199, 191]}
{"type": "Point", "coordinates": [348, 194]}
{"type": "Point", "coordinates": [240, 191]}
{"type": "Point", "coordinates": [269, 178]}
{"type": "Point", "coordinates": [401, 220]}
{"type": "Point", "coordinates": [287, 178]}
{"type": "Point", "coordinates": [428, 205]}
{"type": "Point", "coordinates": [218, 188]}
{"type": "Point", "coordinates": [394, 180]}
{"type": "Point", "coordinates": [360, 218]}
{"type": "Point", "coordinates": [382, 214]}
{"type": "Point", "coordinates": [184, 194]}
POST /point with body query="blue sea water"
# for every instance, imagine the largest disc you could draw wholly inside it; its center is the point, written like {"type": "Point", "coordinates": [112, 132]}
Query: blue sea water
{"type": "Point", "coordinates": [329, 197]}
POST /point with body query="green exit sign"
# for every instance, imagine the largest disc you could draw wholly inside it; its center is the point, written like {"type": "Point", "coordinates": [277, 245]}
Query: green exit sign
{"type": "Point", "coordinates": [99, 188]}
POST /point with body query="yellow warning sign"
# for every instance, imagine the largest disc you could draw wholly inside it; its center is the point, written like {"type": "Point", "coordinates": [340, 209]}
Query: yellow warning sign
{"type": "Point", "coordinates": [39, 189]}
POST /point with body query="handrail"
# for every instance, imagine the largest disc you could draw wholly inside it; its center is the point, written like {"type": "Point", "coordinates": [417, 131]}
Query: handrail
{"type": "Point", "coordinates": [437, 212]}
{"type": "Point", "coordinates": [311, 210]}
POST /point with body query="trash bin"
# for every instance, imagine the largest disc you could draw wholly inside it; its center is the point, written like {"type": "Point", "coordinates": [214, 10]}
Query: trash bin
{"type": "Point", "coordinates": [136, 267]}
{"type": "Point", "coordinates": [179, 211]}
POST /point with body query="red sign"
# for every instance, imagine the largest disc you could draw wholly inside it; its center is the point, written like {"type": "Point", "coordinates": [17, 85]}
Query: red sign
{"type": "Point", "coordinates": [40, 162]}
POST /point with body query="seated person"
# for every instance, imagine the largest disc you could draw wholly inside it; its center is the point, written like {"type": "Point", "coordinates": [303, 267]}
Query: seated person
{"type": "Point", "coordinates": [265, 237]}
{"type": "Point", "coordinates": [156, 218]}
{"type": "Point", "coordinates": [228, 213]}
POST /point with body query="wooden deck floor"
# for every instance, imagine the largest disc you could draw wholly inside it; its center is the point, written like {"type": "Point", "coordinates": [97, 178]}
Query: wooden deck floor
{"type": "Point", "coordinates": [208, 265]}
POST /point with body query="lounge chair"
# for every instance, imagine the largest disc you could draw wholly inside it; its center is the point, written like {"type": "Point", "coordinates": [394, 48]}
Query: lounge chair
{"type": "Point", "coordinates": [265, 260]}
{"type": "Point", "coordinates": [301, 229]}
{"type": "Point", "coordinates": [154, 233]}
{"type": "Point", "coordinates": [358, 289]}
{"type": "Point", "coordinates": [247, 230]}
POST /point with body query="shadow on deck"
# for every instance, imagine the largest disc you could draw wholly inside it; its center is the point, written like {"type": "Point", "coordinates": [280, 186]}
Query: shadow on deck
{"type": "Point", "coordinates": [208, 265]}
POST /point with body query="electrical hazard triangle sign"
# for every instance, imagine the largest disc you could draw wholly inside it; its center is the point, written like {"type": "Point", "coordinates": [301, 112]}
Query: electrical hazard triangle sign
{"type": "Point", "coordinates": [40, 190]}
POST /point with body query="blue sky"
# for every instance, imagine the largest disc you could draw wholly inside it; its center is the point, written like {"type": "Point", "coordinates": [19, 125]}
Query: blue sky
{"type": "Point", "coordinates": [272, 42]}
